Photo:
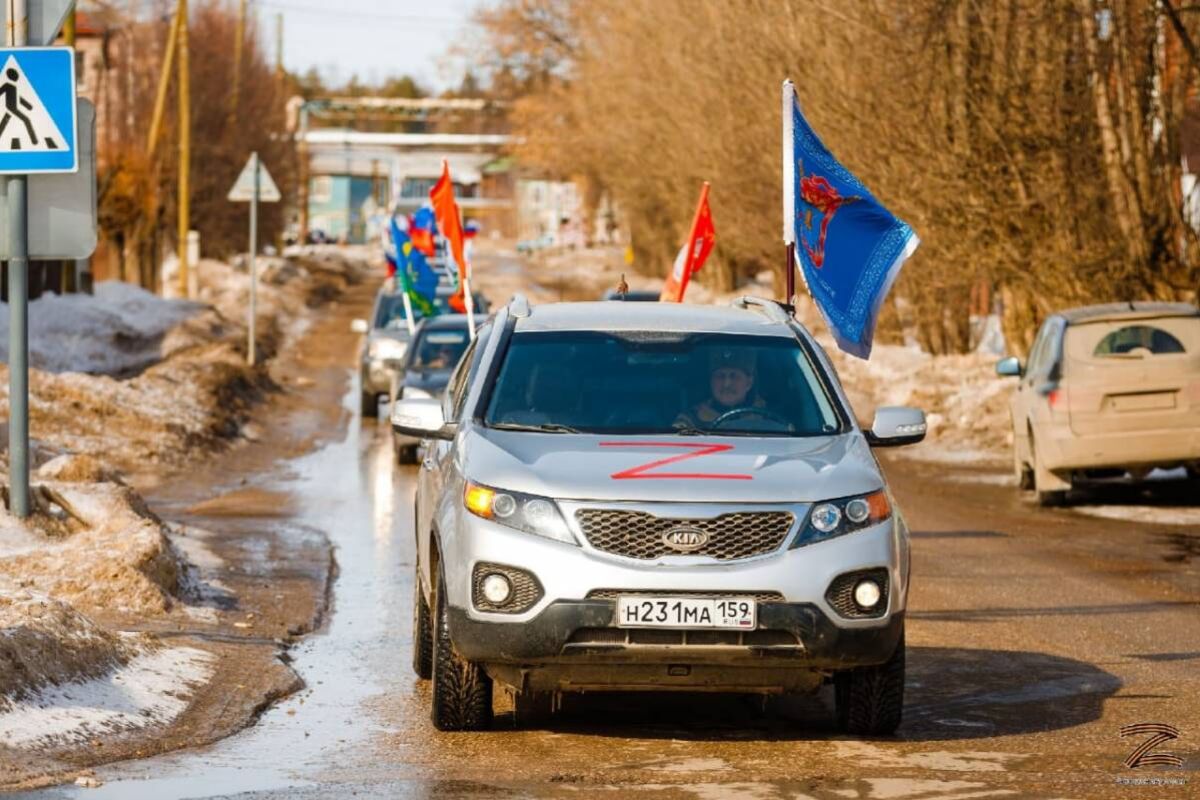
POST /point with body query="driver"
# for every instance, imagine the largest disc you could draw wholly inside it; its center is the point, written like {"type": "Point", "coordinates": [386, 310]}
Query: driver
{"type": "Point", "coordinates": [731, 382]}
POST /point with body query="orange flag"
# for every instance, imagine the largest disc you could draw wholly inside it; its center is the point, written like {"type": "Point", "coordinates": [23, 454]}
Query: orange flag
{"type": "Point", "coordinates": [446, 210]}
{"type": "Point", "coordinates": [694, 252]}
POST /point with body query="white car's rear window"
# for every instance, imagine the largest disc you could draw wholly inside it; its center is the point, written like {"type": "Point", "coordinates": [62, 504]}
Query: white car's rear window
{"type": "Point", "coordinates": [1124, 340]}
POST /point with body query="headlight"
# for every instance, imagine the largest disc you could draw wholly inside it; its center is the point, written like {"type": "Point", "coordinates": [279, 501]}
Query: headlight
{"type": "Point", "coordinates": [525, 512]}
{"type": "Point", "coordinates": [838, 517]}
{"type": "Point", "coordinates": [410, 392]}
{"type": "Point", "coordinates": [388, 349]}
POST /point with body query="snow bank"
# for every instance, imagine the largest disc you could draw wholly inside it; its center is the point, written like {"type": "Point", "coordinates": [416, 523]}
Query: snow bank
{"type": "Point", "coordinates": [153, 688]}
{"type": "Point", "coordinates": [44, 641]}
{"type": "Point", "coordinates": [191, 386]}
{"type": "Point", "coordinates": [116, 331]}
{"type": "Point", "coordinates": [119, 560]}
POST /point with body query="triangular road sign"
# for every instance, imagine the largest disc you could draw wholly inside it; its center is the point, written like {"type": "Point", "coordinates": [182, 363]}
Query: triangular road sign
{"type": "Point", "coordinates": [243, 187]}
{"type": "Point", "coordinates": [25, 124]}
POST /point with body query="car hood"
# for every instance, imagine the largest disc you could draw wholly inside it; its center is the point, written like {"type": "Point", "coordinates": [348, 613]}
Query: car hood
{"type": "Point", "coordinates": [705, 469]}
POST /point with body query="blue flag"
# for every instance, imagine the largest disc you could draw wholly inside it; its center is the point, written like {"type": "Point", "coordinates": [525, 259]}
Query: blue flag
{"type": "Point", "coordinates": [848, 246]}
{"type": "Point", "coordinates": [413, 274]}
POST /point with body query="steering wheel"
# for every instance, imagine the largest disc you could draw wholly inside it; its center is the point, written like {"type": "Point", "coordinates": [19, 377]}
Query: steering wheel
{"type": "Point", "coordinates": [745, 411]}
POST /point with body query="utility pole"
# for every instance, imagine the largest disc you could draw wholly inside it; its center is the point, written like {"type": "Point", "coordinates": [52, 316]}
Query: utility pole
{"type": "Point", "coordinates": [18, 307]}
{"type": "Point", "coordinates": [185, 149]}
{"type": "Point", "coordinates": [164, 81]}
{"type": "Point", "coordinates": [279, 48]}
{"type": "Point", "coordinates": [238, 42]}
{"type": "Point", "coordinates": [302, 156]}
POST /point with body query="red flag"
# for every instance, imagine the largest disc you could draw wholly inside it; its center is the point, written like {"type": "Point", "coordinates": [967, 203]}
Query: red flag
{"type": "Point", "coordinates": [694, 252]}
{"type": "Point", "coordinates": [448, 220]}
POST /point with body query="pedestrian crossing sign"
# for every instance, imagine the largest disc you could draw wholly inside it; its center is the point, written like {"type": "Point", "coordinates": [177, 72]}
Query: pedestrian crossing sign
{"type": "Point", "coordinates": [37, 110]}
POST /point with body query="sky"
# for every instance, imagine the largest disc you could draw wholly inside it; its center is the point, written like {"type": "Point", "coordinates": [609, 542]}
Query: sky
{"type": "Point", "coordinates": [374, 39]}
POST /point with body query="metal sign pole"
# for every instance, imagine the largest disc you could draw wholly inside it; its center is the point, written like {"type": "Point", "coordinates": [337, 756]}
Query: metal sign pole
{"type": "Point", "coordinates": [18, 305]}
{"type": "Point", "coordinates": [253, 257]}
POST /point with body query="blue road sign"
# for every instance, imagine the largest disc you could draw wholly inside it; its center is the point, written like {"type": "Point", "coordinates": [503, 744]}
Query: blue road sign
{"type": "Point", "coordinates": [37, 110]}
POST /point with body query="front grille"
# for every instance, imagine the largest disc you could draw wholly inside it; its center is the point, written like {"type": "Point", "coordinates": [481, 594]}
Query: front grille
{"type": "Point", "coordinates": [526, 589]}
{"type": "Point", "coordinates": [841, 594]}
{"type": "Point", "coordinates": [650, 637]}
{"type": "Point", "coordinates": [613, 594]}
{"type": "Point", "coordinates": [636, 534]}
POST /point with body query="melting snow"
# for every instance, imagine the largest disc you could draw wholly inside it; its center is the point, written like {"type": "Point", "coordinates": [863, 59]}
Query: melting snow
{"type": "Point", "coordinates": [152, 689]}
{"type": "Point", "coordinates": [114, 331]}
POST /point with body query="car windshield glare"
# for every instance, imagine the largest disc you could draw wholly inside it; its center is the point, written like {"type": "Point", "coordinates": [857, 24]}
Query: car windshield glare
{"type": "Point", "coordinates": [440, 349]}
{"type": "Point", "coordinates": [653, 382]}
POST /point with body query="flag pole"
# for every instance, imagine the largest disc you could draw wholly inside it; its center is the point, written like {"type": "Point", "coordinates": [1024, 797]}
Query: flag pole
{"type": "Point", "coordinates": [470, 303]}
{"type": "Point", "coordinates": [691, 256]}
{"type": "Point", "coordinates": [789, 185]}
{"type": "Point", "coordinates": [402, 280]}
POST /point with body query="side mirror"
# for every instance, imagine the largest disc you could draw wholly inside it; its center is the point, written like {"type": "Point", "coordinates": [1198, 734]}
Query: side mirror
{"type": "Point", "coordinates": [896, 425]}
{"type": "Point", "coordinates": [1010, 367]}
{"type": "Point", "coordinates": [359, 326]}
{"type": "Point", "coordinates": [421, 417]}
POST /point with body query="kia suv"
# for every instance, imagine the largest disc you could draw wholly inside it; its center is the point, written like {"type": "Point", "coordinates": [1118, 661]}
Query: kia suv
{"type": "Point", "coordinates": [655, 496]}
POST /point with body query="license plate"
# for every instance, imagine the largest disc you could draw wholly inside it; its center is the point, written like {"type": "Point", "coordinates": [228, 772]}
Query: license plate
{"type": "Point", "coordinates": [686, 612]}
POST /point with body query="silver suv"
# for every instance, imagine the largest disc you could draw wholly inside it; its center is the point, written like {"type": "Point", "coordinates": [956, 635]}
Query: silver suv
{"type": "Point", "coordinates": [653, 496]}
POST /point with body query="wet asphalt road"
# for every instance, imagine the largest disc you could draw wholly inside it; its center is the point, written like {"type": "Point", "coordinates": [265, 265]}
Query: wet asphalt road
{"type": "Point", "coordinates": [1033, 637]}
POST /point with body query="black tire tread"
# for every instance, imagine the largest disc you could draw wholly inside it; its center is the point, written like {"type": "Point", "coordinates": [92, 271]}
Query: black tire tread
{"type": "Point", "coordinates": [422, 635]}
{"type": "Point", "coordinates": [370, 405]}
{"type": "Point", "coordinates": [870, 700]}
{"type": "Point", "coordinates": [462, 691]}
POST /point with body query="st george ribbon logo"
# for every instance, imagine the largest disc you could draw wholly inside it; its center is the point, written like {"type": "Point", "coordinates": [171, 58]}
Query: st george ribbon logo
{"type": "Point", "coordinates": [1157, 733]}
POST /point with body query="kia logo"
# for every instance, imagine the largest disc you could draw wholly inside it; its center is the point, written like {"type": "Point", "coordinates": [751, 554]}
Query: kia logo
{"type": "Point", "coordinates": [685, 538]}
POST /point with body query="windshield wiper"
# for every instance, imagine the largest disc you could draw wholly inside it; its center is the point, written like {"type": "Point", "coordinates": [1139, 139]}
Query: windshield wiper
{"type": "Point", "coordinates": [546, 427]}
{"type": "Point", "coordinates": [690, 430]}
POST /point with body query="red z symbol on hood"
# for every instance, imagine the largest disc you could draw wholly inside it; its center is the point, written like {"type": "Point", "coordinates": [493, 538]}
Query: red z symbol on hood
{"type": "Point", "coordinates": [695, 451]}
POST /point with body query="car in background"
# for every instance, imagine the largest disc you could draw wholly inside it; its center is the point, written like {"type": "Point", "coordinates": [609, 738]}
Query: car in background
{"type": "Point", "coordinates": [1108, 391]}
{"type": "Point", "coordinates": [434, 352]}
{"type": "Point", "coordinates": [385, 345]}
{"type": "Point", "coordinates": [634, 295]}
{"type": "Point", "coordinates": [587, 520]}
{"type": "Point", "coordinates": [442, 301]}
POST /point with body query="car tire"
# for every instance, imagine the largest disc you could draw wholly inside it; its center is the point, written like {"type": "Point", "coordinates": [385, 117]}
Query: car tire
{"type": "Point", "coordinates": [422, 635]}
{"type": "Point", "coordinates": [1046, 498]}
{"type": "Point", "coordinates": [370, 405]}
{"type": "Point", "coordinates": [406, 454]}
{"type": "Point", "coordinates": [462, 690]}
{"type": "Point", "coordinates": [1022, 471]}
{"type": "Point", "coordinates": [869, 701]}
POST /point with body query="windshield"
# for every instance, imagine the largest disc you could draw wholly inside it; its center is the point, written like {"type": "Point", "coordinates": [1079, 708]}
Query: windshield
{"type": "Point", "coordinates": [653, 382]}
{"type": "Point", "coordinates": [439, 349]}
{"type": "Point", "coordinates": [390, 314]}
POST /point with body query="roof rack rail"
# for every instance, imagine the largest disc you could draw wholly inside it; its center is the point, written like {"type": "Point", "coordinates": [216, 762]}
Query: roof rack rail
{"type": "Point", "coordinates": [772, 309]}
{"type": "Point", "coordinates": [519, 305]}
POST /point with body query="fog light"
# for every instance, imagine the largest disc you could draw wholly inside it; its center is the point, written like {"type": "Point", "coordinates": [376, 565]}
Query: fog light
{"type": "Point", "coordinates": [497, 589]}
{"type": "Point", "coordinates": [866, 594]}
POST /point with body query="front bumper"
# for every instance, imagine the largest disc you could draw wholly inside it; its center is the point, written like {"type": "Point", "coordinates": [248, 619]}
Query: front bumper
{"type": "Point", "coordinates": [547, 639]}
